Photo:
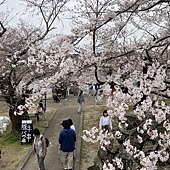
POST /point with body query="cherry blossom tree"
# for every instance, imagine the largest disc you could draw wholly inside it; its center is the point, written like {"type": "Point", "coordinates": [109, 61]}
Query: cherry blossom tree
{"type": "Point", "coordinates": [115, 31]}
{"type": "Point", "coordinates": [2, 28]}
{"type": "Point", "coordinates": [126, 42]}
{"type": "Point", "coordinates": [129, 45]}
{"type": "Point", "coordinates": [26, 56]}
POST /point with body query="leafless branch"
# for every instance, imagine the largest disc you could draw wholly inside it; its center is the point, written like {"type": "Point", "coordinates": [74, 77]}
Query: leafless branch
{"type": "Point", "coordinates": [155, 4]}
{"type": "Point", "coordinates": [2, 2]}
{"type": "Point", "coordinates": [3, 29]}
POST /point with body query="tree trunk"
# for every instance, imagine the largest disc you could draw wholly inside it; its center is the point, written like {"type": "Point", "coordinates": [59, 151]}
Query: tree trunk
{"type": "Point", "coordinates": [16, 121]}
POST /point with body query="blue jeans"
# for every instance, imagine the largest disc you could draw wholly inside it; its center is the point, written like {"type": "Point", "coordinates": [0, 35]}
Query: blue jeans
{"type": "Point", "coordinates": [80, 107]}
{"type": "Point", "coordinates": [41, 162]}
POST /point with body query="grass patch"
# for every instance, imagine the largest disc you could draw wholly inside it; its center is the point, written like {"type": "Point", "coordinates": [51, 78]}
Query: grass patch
{"type": "Point", "coordinates": [12, 150]}
{"type": "Point", "coordinates": [167, 101]}
{"type": "Point", "coordinates": [8, 139]}
{"type": "Point", "coordinates": [91, 118]}
{"type": "Point", "coordinates": [89, 150]}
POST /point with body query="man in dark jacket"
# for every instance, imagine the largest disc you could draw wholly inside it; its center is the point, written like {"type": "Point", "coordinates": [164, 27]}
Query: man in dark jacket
{"type": "Point", "coordinates": [67, 139]}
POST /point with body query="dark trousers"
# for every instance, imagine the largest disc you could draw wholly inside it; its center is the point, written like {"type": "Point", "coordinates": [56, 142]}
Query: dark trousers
{"type": "Point", "coordinates": [105, 127]}
{"type": "Point", "coordinates": [41, 162]}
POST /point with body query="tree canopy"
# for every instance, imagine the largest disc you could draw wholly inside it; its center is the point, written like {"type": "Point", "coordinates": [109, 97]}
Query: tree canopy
{"type": "Point", "coordinates": [122, 42]}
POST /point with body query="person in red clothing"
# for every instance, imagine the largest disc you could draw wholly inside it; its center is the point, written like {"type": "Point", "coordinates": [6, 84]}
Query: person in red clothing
{"type": "Point", "coordinates": [112, 88]}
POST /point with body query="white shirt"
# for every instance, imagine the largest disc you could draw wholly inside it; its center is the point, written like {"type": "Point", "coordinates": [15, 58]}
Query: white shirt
{"type": "Point", "coordinates": [105, 121]}
{"type": "Point", "coordinates": [73, 127]}
{"type": "Point", "coordinates": [40, 146]}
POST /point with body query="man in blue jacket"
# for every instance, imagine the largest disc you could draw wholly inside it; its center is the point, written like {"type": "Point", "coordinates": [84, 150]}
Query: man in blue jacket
{"type": "Point", "coordinates": [67, 139]}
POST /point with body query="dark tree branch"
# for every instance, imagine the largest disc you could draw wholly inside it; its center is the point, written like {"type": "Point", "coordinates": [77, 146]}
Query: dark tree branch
{"type": "Point", "coordinates": [153, 5]}
{"type": "Point", "coordinates": [3, 29]}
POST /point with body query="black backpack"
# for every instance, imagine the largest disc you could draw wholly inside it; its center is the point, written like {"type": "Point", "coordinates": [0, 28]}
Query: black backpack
{"type": "Point", "coordinates": [46, 141]}
{"type": "Point", "coordinates": [80, 99]}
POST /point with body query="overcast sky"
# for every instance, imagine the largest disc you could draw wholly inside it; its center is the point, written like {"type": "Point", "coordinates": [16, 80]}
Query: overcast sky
{"type": "Point", "coordinates": [17, 8]}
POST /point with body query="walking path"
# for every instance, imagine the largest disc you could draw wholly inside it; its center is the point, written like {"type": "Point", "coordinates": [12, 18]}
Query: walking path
{"type": "Point", "coordinates": [64, 110]}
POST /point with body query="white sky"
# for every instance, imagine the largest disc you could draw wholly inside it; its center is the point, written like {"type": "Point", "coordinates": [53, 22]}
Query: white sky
{"type": "Point", "coordinates": [17, 8]}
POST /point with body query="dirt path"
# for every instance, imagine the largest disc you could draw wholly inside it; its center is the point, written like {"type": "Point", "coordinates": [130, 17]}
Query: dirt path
{"type": "Point", "coordinates": [67, 109]}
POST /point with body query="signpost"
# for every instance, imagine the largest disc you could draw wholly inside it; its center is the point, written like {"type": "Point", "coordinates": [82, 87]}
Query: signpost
{"type": "Point", "coordinates": [26, 131]}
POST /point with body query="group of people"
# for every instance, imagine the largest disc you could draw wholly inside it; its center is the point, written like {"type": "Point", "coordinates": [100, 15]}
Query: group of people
{"type": "Point", "coordinates": [66, 148]}
{"type": "Point", "coordinates": [66, 138]}
{"type": "Point", "coordinates": [66, 141]}
{"type": "Point", "coordinates": [105, 122]}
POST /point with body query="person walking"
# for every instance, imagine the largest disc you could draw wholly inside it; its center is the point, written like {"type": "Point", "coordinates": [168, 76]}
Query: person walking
{"type": "Point", "coordinates": [80, 100]}
{"type": "Point", "coordinates": [105, 122]}
{"type": "Point", "coordinates": [70, 121]}
{"type": "Point", "coordinates": [67, 139]}
{"type": "Point", "coordinates": [55, 95]}
{"type": "Point", "coordinates": [39, 148]}
{"type": "Point", "coordinates": [96, 87]}
{"type": "Point", "coordinates": [40, 111]}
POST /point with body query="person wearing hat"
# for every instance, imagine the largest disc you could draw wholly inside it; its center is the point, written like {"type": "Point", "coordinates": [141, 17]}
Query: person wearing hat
{"type": "Point", "coordinates": [70, 121]}
{"type": "Point", "coordinates": [67, 139]}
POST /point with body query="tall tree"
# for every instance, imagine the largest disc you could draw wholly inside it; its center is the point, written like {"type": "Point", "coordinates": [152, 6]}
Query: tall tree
{"type": "Point", "coordinates": [130, 46]}
{"type": "Point", "coordinates": [24, 58]}
{"type": "Point", "coordinates": [116, 30]}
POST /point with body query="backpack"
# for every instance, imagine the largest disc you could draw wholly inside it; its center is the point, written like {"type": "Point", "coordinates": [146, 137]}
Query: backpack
{"type": "Point", "coordinates": [80, 99]}
{"type": "Point", "coordinates": [46, 141]}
